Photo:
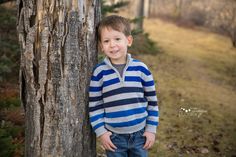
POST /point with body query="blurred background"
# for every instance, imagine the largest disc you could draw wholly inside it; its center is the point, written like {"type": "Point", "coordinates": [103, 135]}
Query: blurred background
{"type": "Point", "coordinates": [190, 47]}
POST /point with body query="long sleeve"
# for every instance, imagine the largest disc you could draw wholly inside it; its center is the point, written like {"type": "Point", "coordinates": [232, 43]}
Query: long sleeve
{"type": "Point", "coordinates": [96, 109]}
{"type": "Point", "coordinates": [150, 95]}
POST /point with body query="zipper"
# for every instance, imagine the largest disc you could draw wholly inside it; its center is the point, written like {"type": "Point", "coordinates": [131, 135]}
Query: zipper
{"type": "Point", "coordinates": [117, 72]}
{"type": "Point", "coordinates": [124, 70]}
{"type": "Point", "coordinates": [122, 79]}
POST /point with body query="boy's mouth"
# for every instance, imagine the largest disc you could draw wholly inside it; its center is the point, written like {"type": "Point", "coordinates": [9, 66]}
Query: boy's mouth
{"type": "Point", "coordinates": [114, 52]}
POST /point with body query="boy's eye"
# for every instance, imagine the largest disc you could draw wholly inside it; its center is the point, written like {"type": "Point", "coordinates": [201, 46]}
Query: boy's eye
{"type": "Point", "coordinates": [117, 39]}
{"type": "Point", "coordinates": [105, 41]}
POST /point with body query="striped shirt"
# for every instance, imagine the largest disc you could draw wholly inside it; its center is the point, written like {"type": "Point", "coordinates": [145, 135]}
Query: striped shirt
{"type": "Point", "coordinates": [125, 104]}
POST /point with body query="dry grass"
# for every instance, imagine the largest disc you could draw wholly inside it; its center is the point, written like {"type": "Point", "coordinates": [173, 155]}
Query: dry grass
{"type": "Point", "coordinates": [192, 74]}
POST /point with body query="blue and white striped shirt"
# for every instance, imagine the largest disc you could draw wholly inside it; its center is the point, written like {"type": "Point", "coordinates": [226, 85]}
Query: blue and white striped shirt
{"type": "Point", "coordinates": [122, 104]}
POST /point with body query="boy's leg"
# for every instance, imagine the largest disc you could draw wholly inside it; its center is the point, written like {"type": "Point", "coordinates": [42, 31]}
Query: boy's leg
{"type": "Point", "coordinates": [116, 154]}
{"type": "Point", "coordinates": [120, 141]}
{"type": "Point", "coordinates": [136, 145]}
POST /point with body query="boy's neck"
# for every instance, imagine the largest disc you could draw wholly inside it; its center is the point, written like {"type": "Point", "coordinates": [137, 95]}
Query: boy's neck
{"type": "Point", "coordinates": [119, 61]}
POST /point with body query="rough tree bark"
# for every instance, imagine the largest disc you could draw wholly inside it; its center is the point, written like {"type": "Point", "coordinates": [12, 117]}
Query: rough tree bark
{"type": "Point", "coordinates": [58, 51]}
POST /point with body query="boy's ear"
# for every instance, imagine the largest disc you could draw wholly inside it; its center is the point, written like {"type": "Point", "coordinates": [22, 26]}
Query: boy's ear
{"type": "Point", "coordinates": [130, 40]}
{"type": "Point", "coordinates": [100, 46]}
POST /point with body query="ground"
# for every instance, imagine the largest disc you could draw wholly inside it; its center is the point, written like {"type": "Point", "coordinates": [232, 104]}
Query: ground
{"type": "Point", "coordinates": [195, 77]}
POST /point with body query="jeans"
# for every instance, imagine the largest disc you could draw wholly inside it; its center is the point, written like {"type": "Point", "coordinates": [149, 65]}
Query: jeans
{"type": "Point", "coordinates": [128, 145]}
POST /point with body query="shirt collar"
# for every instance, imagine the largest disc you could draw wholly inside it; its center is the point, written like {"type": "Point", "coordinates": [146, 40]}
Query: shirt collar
{"type": "Point", "coordinates": [107, 60]}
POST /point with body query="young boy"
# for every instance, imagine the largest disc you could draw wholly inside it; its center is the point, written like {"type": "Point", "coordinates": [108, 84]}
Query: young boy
{"type": "Point", "coordinates": [122, 98]}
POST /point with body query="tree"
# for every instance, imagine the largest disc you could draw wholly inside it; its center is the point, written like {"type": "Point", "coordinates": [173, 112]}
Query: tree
{"type": "Point", "coordinates": [58, 51]}
{"type": "Point", "coordinates": [4, 1]}
{"type": "Point", "coordinates": [112, 6]}
{"type": "Point", "coordinates": [227, 19]}
{"type": "Point", "coordinates": [146, 8]}
{"type": "Point", "coordinates": [137, 12]}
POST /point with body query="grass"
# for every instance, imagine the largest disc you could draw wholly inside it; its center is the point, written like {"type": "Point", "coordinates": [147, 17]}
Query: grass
{"type": "Point", "coordinates": [196, 72]}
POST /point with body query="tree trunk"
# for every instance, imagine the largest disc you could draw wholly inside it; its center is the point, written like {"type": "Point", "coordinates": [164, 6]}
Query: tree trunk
{"type": "Point", "coordinates": [146, 8]}
{"type": "Point", "coordinates": [137, 11]}
{"type": "Point", "coordinates": [233, 39]}
{"type": "Point", "coordinates": [154, 7]}
{"type": "Point", "coordinates": [58, 51]}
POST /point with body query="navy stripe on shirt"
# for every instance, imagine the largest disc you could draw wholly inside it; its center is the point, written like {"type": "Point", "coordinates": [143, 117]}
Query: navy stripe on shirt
{"type": "Point", "coordinates": [151, 93]}
{"type": "Point", "coordinates": [96, 98]}
{"type": "Point", "coordinates": [123, 90]}
{"type": "Point", "coordinates": [98, 107]}
{"type": "Point", "coordinates": [152, 103]}
{"type": "Point", "coordinates": [124, 102]}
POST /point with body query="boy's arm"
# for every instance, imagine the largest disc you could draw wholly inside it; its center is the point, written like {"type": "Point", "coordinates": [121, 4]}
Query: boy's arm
{"type": "Point", "coordinates": [96, 110]}
{"type": "Point", "coordinates": [150, 95]}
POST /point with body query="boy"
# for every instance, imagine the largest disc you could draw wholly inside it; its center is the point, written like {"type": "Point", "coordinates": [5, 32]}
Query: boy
{"type": "Point", "coordinates": [122, 99]}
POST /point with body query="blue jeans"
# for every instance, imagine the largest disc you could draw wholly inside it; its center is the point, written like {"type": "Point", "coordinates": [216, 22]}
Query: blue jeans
{"type": "Point", "coordinates": [128, 145]}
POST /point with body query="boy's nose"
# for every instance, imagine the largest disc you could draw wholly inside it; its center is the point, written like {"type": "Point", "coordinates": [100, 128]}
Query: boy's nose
{"type": "Point", "coordinates": [112, 43]}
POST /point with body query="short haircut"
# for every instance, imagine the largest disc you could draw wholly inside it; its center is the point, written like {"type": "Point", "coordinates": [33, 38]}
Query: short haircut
{"type": "Point", "coordinates": [115, 22]}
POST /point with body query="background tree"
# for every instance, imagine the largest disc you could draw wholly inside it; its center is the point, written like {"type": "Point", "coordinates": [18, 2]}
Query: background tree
{"type": "Point", "coordinates": [112, 6]}
{"type": "Point", "coordinates": [9, 49]}
{"type": "Point", "coordinates": [137, 12]}
{"type": "Point", "coordinates": [4, 1]}
{"type": "Point", "coordinates": [225, 19]}
{"type": "Point", "coordinates": [58, 51]}
{"type": "Point", "coordinates": [146, 8]}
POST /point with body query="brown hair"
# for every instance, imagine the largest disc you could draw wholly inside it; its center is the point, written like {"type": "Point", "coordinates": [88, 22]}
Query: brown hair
{"type": "Point", "coordinates": [115, 22]}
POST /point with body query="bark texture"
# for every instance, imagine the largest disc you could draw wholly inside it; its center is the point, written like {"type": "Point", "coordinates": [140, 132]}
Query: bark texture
{"type": "Point", "coordinates": [58, 51]}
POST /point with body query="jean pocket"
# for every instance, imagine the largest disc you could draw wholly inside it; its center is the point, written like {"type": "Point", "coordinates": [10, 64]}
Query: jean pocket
{"type": "Point", "coordinates": [113, 135]}
{"type": "Point", "coordinates": [141, 132]}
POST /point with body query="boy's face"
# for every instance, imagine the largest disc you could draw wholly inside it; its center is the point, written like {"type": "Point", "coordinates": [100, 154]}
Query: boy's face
{"type": "Point", "coordinates": [115, 44]}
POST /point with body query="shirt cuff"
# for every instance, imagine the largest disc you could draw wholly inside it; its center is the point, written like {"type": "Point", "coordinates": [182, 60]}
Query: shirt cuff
{"type": "Point", "coordinates": [100, 131]}
{"type": "Point", "coordinates": [151, 128]}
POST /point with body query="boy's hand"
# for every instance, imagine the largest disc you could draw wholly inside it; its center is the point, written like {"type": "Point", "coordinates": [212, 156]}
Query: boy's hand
{"type": "Point", "coordinates": [106, 141]}
{"type": "Point", "coordinates": [150, 139]}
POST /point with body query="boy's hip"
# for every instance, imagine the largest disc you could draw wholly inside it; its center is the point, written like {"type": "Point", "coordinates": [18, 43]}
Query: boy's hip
{"type": "Point", "coordinates": [126, 129]}
{"type": "Point", "coordinates": [131, 144]}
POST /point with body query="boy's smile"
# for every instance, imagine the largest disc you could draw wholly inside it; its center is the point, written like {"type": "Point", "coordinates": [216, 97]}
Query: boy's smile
{"type": "Point", "coordinates": [115, 44]}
